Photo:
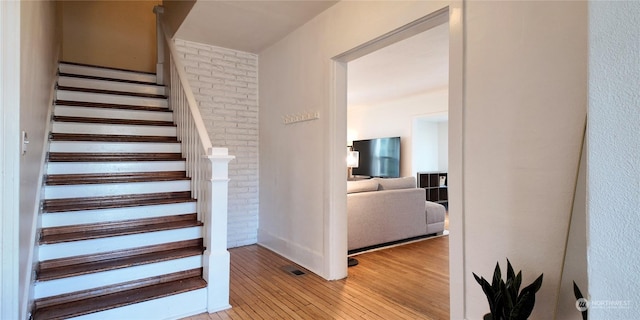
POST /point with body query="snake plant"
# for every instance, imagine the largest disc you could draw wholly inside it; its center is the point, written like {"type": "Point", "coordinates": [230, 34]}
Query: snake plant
{"type": "Point", "coordinates": [506, 300]}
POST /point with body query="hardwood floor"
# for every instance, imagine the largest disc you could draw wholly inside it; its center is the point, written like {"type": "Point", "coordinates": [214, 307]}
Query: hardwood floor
{"type": "Point", "coordinates": [404, 282]}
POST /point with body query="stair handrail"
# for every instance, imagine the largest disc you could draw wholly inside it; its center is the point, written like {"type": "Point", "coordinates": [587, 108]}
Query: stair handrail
{"type": "Point", "coordinates": [208, 168]}
{"type": "Point", "coordinates": [182, 77]}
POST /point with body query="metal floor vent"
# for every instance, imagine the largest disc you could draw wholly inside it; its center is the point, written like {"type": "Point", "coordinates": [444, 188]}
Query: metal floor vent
{"type": "Point", "coordinates": [293, 270]}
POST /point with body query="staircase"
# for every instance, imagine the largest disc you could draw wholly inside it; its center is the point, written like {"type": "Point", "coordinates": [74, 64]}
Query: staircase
{"type": "Point", "coordinates": [120, 237]}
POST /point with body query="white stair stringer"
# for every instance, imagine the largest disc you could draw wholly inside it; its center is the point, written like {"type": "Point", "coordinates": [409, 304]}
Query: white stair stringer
{"type": "Point", "coordinates": [114, 167]}
{"type": "Point", "coordinates": [105, 278]}
{"type": "Point", "coordinates": [176, 306]}
{"type": "Point", "coordinates": [79, 96]}
{"type": "Point", "coordinates": [116, 86]}
{"type": "Point", "coordinates": [106, 73]}
{"type": "Point", "coordinates": [114, 147]}
{"type": "Point", "coordinates": [70, 218]}
{"type": "Point", "coordinates": [94, 246]}
{"type": "Point", "coordinates": [107, 113]}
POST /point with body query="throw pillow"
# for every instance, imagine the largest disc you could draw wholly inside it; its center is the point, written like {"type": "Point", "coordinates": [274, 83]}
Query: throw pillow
{"type": "Point", "coordinates": [396, 183]}
{"type": "Point", "coordinates": [362, 186]}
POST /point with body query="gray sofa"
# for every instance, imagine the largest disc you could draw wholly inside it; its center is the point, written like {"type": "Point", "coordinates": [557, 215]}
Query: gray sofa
{"type": "Point", "coordinates": [386, 210]}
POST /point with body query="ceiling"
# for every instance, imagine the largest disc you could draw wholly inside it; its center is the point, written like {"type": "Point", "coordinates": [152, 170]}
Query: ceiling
{"type": "Point", "coordinates": [248, 26]}
{"type": "Point", "coordinates": [410, 67]}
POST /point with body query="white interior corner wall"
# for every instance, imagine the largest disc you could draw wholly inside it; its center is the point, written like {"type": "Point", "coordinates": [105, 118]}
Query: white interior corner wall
{"type": "Point", "coordinates": [613, 160]}
{"type": "Point", "coordinates": [525, 108]}
{"type": "Point", "coordinates": [40, 43]}
{"type": "Point", "coordinates": [9, 159]}
{"type": "Point", "coordinates": [225, 84]}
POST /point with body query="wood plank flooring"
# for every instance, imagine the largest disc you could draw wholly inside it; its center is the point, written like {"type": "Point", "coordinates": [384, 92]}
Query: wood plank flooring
{"type": "Point", "coordinates": [410, 281]}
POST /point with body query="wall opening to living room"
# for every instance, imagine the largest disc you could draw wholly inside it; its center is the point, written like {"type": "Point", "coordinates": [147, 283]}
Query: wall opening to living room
{"type": "Point", "coordinates": [396, 86]}
{"type": "Point", "coordinates": [336, 218]}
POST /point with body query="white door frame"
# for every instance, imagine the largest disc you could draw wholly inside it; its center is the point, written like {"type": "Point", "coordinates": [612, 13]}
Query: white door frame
{"type": "Point", "coordinates": [336, 235]}
{"type": "Point", "coordinates": [9, 157]}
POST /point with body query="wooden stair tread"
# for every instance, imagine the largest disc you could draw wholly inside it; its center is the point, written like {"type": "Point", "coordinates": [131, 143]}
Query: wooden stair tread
{"type": "Point", "coordinates": [119, 177]}
{"type": "Point", "coordinates": [120, 228]}
{"type": "Point", "coordinates": [121, 201]}
{"type": "Point", "coordinates": [109, 138]}
{"type": "Point", "coordinates": [79, 265]}
{"type": "Point", "coordinates": [105, 298]}
{"type": "Point", "coordinates": [82, 76]}
{"type": "Point", "coordinates": [110, 106]}
{"type": "Point", "coordinates": [118, 93]}
{"type": "Point", "coordinates": [114, 121]}
{"type": "Point", "coordinates": [110, 157]}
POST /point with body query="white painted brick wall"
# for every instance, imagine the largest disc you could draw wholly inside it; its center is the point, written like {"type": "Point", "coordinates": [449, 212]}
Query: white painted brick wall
{"type": "Point", "coordinates": [225, 83]}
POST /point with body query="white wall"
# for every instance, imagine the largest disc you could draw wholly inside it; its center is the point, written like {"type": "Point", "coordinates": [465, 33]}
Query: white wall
{"type": "Point", "coordinates": [424, 145]}
{"type": "Point", "coordinates": [39, 48]}
{"type": "Point", "coordinates": [443, 146]}
{"type": "Point", "coordinates": [224, 83]}
{"type": "Point", "coordinates": [524, 109]}
{"type": "Point", "coordinates": [396, 119]}
{"type": "Point", "coordinates": [9, 158]}
{"type": "Point", "coordinates": [118, 34]}
{"type": "Point", "coordinates": [295, 75]}
{"type": "Point", "coordinates": [613, 157]}
{"type": "Point", "coordinates": [430, 145]}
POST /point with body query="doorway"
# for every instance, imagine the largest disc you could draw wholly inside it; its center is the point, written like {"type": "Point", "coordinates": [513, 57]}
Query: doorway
{"type": "Point", "coordinates": [337, 227]}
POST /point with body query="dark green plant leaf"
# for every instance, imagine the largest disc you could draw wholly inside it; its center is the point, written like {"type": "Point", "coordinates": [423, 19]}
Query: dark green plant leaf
{"type": "Point", "coordinates": [518, 281]}
{"type": "Point", "coordinates": [578, 294]}
{"type": "Point", "coordinates": [488, 291]}
{"type": "Point", "coordinates": [576, 291]}
{"type": "Point", "coordinates": [535, 286]}
{"type": "Point", "coordinates": [497, 277]}
{"type": "Point", "coordinates": [522, 310]}
{"type": "Point", "coordinates": [510, 273]}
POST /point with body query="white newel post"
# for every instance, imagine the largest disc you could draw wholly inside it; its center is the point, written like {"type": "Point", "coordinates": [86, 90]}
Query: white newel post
{"type": "Point", "coordinates": [158, 10]}
{"type": "Point", "coordinates": [216, 257]}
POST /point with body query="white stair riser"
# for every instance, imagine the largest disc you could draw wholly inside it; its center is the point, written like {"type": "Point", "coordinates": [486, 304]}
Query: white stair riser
{"type": "Point", "coordinates": [97, 147]}
{"type": "Point", "coordinates": [106, 167]}
{"type": "Point", "coordinates": [176, 306]}
{"type": "Point", "coordinates": [106, 73]}
{"type": "Point", "coordinates": [110, 98]}
{"type": "Point", "coordinates": [60, 219]}
{"type": "Point", "coordinates": [93, 246]}
{"type": "Point", "coordinates": [109, 85]}
{"type": "Point", "coordinates": [107, 113]}
{"type": "Point", "coordinates": [114, 129]}
{"type": "Point", "coordinates": [114, 189]}
{"type": "Point", "coordinates": [111, 277]}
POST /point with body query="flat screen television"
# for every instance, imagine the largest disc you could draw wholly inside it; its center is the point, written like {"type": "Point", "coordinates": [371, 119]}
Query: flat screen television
{"type": "Point", "coordinates": [378, 157]}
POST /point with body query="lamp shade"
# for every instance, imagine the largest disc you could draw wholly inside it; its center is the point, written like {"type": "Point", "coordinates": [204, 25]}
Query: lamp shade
{"type": "Point", "coordinates": [353, 158]}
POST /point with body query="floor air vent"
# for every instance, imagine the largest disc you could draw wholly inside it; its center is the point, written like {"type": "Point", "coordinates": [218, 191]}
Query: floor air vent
{"type": "Point", "coordinates": [293, 270]}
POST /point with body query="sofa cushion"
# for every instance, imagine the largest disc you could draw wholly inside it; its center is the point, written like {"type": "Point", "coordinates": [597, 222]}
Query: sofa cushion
{"type": "Point", "coordinates": [362, 186]}
{"type": "Point", "coordinates": [396, 183]}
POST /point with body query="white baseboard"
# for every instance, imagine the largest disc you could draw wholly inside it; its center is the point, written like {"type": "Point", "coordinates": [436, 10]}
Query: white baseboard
{"type": "Point", "coordinates": [303, 256]}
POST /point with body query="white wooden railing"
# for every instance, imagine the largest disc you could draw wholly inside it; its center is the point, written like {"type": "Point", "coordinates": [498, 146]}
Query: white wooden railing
{"type": "Point", "coordinates": [206, 166]}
